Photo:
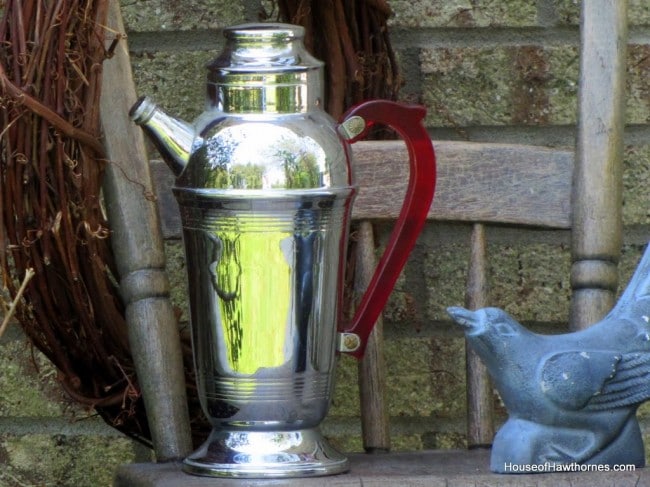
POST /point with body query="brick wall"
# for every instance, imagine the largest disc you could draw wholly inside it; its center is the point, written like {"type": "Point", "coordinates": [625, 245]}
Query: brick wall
{"type": "Point", "coordinates": [488, 70]}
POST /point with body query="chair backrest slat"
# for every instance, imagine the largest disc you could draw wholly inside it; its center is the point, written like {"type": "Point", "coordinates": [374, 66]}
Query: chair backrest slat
{"type": "Point", "coordinates": [534, 183]}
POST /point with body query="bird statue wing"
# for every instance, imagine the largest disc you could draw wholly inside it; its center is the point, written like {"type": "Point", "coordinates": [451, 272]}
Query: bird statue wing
{"type": "Point", "coordinates": [628, 386]}
{"type": "Point", "coordinates": [637, 290]}
{"type": "Point", "coordinates": [571, 379]}
{"type": "Point", "coordinates": [596, 380]}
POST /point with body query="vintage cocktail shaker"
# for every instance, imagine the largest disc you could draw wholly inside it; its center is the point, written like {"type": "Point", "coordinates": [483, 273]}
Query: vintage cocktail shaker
{"type": "Point", "coordinates": [265, 190]}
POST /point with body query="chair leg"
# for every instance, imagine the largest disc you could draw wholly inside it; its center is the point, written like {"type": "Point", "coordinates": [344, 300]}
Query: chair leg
{"type": "Point", "coordinates": [597, 180]}
{"type": "Point", "coordinates": [140, 258]}
{"type": "Point", "coordinates": [480, 422]}
{"type": "Point", "coordinates": [374, 413]}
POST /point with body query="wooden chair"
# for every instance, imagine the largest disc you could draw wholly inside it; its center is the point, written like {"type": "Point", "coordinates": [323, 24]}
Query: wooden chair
{"type": "Point", "coordinates": [470, 190]}
{"type": "Point", "coordinates": [546, 188]}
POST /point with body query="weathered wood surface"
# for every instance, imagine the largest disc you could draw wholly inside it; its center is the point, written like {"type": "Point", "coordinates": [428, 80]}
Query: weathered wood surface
{"type": "Point", "coordinates": [375, 427]}
{"type": "Point", "coordinates": [417, 469]}
{"type": "Point", "coordinates": [476, 182]}
{"type": "Point", "coordinates": [597, 220]}
{"type": "Point", "coordinates": [504, 183]}
{"type": "Point", "coordinates": [139, 252]}
{"type": "Point", "coordinates": [480, 410]}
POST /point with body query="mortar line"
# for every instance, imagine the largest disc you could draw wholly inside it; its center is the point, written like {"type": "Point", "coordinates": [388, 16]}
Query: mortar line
{"type": "Point", "coordinates": [402, 38]}
{"type": "Point", "coordinates": [91, 426]}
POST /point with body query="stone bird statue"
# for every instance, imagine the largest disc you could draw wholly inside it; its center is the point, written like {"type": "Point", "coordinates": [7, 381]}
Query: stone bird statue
{"type": "Point", "coordinates": [571, 398]}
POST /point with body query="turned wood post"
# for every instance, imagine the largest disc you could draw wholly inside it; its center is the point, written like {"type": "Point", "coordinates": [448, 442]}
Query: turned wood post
{"type": "Point", "coordinates": [139, 252]}
{"type": "Point", "coordinates": [597, 191]}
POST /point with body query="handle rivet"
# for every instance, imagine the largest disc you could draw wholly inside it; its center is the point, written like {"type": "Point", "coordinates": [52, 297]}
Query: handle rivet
{"type": "Point", "coordinates": [349, 342]}
{"type": "Point", "coordinates": [352, 127]}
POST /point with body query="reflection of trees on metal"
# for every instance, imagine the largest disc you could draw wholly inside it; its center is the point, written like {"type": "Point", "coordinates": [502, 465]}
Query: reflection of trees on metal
{"type": "Point", "coordinates": [259, 155]}
{"type": "Point", "coordinates": [248, 176]}
{"type": "Point", "coordinates": [226, 272]}
{"type": "Point", "coordinates": [301, 169]}
{"type": "Point", "coordinates": [351, 36]}
{"type": "Point", "coordinates": [219, 153]}
{"type": "Point", "coordinates": [245, 266]}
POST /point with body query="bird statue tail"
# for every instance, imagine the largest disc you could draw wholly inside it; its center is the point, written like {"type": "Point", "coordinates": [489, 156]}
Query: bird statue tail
{"type": "Point", "coordinates": [637, 290]}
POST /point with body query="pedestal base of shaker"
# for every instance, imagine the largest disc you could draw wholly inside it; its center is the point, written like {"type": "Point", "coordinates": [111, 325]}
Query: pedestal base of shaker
{"type": "Point", "coordinates": [256, 454]}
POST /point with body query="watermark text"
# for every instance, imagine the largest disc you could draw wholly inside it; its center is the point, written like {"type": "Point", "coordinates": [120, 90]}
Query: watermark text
{"type": "Point", "coordinates": [565, 467]}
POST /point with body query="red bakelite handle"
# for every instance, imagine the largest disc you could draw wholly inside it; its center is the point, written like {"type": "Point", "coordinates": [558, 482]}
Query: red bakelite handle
{"type": "Point", "coordinates": [407, 120]}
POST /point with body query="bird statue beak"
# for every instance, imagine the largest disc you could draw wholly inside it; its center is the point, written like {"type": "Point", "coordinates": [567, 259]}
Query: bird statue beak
{"type": "Point", "coordinates": [465, 318]}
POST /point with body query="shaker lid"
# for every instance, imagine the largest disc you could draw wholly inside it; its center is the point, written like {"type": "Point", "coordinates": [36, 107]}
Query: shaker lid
{"type": "Point", "coordinates": [264, 68]}
{"type": "Point", "coordinates": [265, 47]}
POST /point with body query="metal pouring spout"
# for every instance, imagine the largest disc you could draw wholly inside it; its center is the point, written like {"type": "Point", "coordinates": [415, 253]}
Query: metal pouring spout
{"type": "Point", "coordinates": [172, 137]}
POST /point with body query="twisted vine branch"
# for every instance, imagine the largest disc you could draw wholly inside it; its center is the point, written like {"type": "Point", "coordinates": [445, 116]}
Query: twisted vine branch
{"type": "Point", "coordinates": [51, 160]}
